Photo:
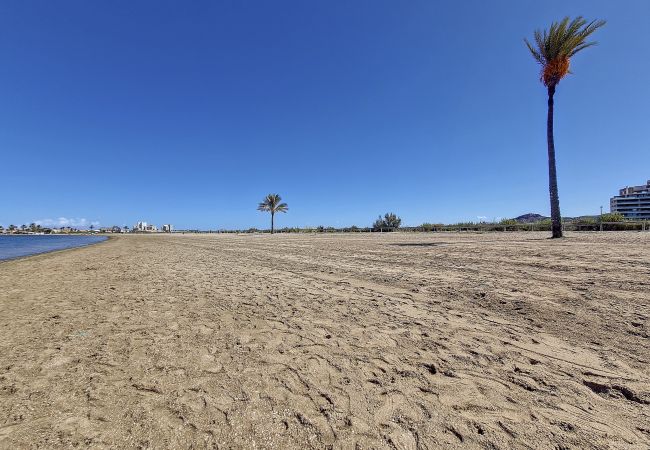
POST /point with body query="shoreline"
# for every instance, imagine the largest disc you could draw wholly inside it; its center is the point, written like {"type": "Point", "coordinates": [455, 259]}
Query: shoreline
{"type": "Point", "coordinates": [49, 252]}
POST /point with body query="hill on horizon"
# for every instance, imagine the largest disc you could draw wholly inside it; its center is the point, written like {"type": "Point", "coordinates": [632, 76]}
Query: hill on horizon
{"type": "Point", "coordinates": [530, 218]}
{"type": "Point", "coordinates": [534, 217]}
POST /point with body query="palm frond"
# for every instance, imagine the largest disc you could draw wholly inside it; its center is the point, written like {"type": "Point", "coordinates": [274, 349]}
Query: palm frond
{"type": "Point", "coordinates": [581, 47]}
{"type": "Point", "coordinates": [536, 54]}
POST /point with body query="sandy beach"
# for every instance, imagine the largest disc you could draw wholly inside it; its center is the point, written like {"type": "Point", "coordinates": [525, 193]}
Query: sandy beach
{"type": "Point", "coordinates": [394, 340]}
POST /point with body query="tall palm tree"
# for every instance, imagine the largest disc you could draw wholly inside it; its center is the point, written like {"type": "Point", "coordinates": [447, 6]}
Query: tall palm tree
{"type": "Point", "coordinates": [272, 203]}
{"type": "Point", "coordinates": [553, 50]}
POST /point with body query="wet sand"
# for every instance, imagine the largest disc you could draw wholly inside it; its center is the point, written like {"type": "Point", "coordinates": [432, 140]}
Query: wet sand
{"type": "Point", "coordinates": [396, 340]}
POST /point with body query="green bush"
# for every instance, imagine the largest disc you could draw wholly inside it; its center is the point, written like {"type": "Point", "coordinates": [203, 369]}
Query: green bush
{"type": "Point", "coordinates": [612, 217]}
{"type": "Point", "coordinates": [466, 224]}
{"type": "Point", "coordinates": [390, 221]}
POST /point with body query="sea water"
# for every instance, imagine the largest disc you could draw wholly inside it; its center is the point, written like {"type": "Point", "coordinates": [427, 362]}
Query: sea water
{"type": "Point", "coordinates": [16, 246]}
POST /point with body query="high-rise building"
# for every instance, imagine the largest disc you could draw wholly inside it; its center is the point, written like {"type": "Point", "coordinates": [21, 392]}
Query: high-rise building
{"type": "Point", "coordinates": [633, 202]}
{"type": "Point", "coordinates": [145, 227]}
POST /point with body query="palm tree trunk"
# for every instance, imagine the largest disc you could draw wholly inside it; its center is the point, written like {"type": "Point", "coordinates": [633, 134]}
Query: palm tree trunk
{"type": "Point", "coordinates": [272, 216]}
{"type": "Point", "coordinates": [556, 218]}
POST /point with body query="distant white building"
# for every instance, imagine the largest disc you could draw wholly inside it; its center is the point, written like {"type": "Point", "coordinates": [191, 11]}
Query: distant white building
{"type": "Point", "coordinates": [167, 228]}
{"type": "Point", "coordinates": [145, 227]}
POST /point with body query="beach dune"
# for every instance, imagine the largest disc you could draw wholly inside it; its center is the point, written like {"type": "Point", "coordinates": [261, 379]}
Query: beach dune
{"type": "Point", "coordinates": [393, 340]}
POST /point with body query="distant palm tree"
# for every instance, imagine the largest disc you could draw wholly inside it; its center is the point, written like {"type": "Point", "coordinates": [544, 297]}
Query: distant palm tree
{"type": "Point", "coordinates": [553, 50]}
{"type": "Point", "coordinates": [92, 227]}
{"type": "Point", "coordinates": [272, 203]}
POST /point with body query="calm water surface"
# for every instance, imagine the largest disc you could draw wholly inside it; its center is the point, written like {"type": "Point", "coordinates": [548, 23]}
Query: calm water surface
{"type": "Point", "coordinates": [17, 246]}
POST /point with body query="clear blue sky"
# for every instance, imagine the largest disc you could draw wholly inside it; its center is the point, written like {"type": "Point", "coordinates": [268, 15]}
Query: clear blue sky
{"type": "Point", "coordinates": [191, 112]}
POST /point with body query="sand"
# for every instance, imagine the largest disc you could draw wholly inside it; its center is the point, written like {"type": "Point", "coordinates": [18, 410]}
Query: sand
{"type": "Point", "coordinates": [394, 340]}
